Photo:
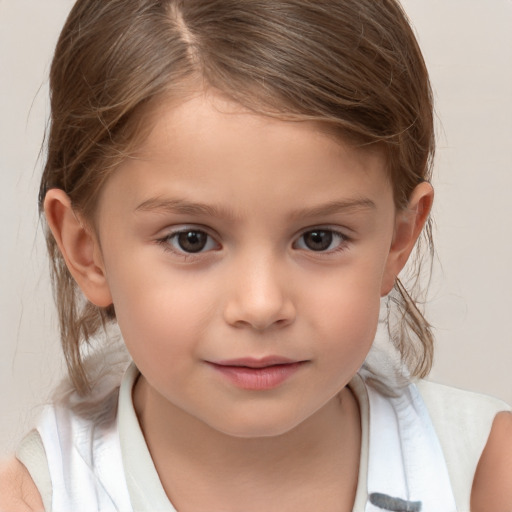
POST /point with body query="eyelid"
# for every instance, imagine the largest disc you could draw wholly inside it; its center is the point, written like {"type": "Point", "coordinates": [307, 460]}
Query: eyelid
{"type": "Point", "coordinates": [338, 230]}
{"type": "Point", "coordinates": [171, 230]}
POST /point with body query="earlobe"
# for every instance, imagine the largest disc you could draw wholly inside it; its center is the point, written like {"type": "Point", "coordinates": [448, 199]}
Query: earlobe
{"type": "Point", "coordinates": [78, 246]}
{"type": "Point", "coordinates": [408, 226]}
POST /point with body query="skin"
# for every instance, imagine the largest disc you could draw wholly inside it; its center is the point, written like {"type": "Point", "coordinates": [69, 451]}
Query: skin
{"type": "Point", "coordinates": [256, 189]}
{"type": "Point", "coordinates": [18, 492]}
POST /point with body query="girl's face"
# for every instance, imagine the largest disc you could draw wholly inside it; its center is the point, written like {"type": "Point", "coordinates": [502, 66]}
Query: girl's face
{"type": "Point", "coordinates": [246, 258]}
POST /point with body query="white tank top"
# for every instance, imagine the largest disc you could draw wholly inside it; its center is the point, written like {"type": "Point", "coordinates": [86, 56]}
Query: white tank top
{"type": "Point", "coordinates": [406, 466]}
{"type": "Point", "coordinates": [85, 462]}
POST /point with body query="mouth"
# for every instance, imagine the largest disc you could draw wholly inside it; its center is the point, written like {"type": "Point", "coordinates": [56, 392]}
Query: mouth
{"type": "Point", "coordinates": [257, 374]}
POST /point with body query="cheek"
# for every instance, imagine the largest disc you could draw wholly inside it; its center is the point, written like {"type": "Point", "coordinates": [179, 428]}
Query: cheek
{"type": "Point", "coordinates": [353, 319]}
{"type": "Point", "coordinates": [347, 315]}
{"type": "Point", "coordinates": [159, 312]}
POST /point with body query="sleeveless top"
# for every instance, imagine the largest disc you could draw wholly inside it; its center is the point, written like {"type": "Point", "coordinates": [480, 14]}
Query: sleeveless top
{"type": "Point", "coordinates": [103, 464]}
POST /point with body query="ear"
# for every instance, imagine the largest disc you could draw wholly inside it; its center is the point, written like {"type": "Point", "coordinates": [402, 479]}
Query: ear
{"type": "Point", "coordinates": [79, 247]}
{"type": "Point", "coordinates": [408, 225]}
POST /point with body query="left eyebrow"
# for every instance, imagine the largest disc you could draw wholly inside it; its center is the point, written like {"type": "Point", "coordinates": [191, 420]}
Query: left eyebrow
{"type": "Point", "coordinates": [346, 206]}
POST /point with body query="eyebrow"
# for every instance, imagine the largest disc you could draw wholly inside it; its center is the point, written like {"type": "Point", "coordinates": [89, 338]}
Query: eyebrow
{"type": "Point", "coordinates": [333, 207]}
{"type": "Point", "coordinates": [181, 206]}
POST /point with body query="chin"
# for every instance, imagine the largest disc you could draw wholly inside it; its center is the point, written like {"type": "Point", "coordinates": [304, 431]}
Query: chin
{"type": "Point", "coordinates": [261, 427]}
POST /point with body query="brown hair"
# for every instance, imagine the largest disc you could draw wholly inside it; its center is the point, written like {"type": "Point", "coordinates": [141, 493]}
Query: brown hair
{"type": "Point", "coordinates": [353, 65]}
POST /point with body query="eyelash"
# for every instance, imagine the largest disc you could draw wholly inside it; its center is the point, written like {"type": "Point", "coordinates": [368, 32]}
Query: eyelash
{"type": "Point", "coordinates": [167, 241]}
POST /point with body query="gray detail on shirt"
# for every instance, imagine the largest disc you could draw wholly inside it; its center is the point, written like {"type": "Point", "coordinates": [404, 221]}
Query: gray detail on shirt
{"type": "Point", "coordinates": [386, 502]}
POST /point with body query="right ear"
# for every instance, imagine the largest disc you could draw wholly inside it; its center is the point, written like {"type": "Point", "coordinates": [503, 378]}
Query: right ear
{"type": "Point", "coordinates": [79, 247]}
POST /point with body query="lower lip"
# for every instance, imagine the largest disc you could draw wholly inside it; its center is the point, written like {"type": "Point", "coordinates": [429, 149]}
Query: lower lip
{"type": "Point", "coordinates": [258, 379]}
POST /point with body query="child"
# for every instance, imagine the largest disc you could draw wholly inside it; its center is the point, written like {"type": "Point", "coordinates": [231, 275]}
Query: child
{"type": "Point", "coordinates": [236, 185]}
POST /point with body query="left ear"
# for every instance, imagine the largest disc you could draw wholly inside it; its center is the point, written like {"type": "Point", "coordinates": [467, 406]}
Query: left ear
{"type": "Point", "coordinates": [408, 225]}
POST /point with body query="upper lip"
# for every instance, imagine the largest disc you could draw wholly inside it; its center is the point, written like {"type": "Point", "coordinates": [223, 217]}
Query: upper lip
{"type": "Point", "coordinates": [256, 362]}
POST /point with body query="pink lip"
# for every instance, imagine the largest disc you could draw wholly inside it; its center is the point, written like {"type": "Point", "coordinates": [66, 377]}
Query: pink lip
{"type": "Point", "coordinates": [257, 374]}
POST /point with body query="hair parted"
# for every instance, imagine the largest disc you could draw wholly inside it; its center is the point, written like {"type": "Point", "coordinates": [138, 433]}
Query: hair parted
{"type": "Point", "coordinates": [353, 65]}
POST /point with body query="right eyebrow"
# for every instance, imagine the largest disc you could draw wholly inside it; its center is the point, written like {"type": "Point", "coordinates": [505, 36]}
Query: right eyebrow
{"type": "Point", "coordinates": [164, 205]}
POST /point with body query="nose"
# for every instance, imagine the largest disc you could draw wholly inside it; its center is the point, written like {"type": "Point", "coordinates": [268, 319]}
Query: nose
{"type": "Point", "coordinates": [260, 295]}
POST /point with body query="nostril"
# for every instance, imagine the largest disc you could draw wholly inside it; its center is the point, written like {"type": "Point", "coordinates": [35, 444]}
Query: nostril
{"type": "Point", "coordinates": [282, 322]}
{"type": "Point", "coordinates": [260, 298]}
{"type": "Point", "coordinates": [260, 319]}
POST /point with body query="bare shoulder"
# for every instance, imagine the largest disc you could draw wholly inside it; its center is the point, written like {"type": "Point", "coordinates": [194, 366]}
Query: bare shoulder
{"type": "Point", "coordinates": [18, 493]}
{"type": "Point", "coordinates": [492, 486]}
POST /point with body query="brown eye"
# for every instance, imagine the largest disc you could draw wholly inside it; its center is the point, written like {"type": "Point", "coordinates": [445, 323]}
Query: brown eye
{"type": "Point", "coordinates": [318, 240]}
{"type": "Point", "coordinates": [321, 240]}
{"type": "Point", "coordinates": [191, 241]}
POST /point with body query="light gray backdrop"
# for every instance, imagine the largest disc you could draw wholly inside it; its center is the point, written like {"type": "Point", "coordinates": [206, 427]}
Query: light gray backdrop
{"type": "Point", "coordinates": [468, 48]}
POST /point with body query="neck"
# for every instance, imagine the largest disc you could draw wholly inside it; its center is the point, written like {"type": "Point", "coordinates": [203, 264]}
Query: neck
{"type": "Point", "coordinates": [195, 461]}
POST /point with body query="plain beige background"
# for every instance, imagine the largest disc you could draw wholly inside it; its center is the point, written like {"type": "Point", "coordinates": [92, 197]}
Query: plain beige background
{"type": "Point", "coordinates": [468, 48]}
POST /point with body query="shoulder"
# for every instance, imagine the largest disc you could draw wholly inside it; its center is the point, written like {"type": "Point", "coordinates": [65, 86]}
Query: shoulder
{"type": "Point", "coordinates": [461, 402]}
{"type": "Point", "coordinates": [461, 412]}
{"type": "Point", "coordinates": [492, 486]}
{"type": "Point", "coordinates": [464, 422]}
{"type": "Point", "coordinates": [18, 492]}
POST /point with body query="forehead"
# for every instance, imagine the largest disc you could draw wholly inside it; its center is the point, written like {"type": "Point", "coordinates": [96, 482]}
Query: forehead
{"type": "Point", "coordinates": [211, 146]}
{"type": "Point", "coordinates": [209, 117]}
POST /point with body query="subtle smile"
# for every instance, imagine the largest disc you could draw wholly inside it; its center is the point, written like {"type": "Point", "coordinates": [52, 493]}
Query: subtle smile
{"type": "Point", "coordinates": [257, 374]}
